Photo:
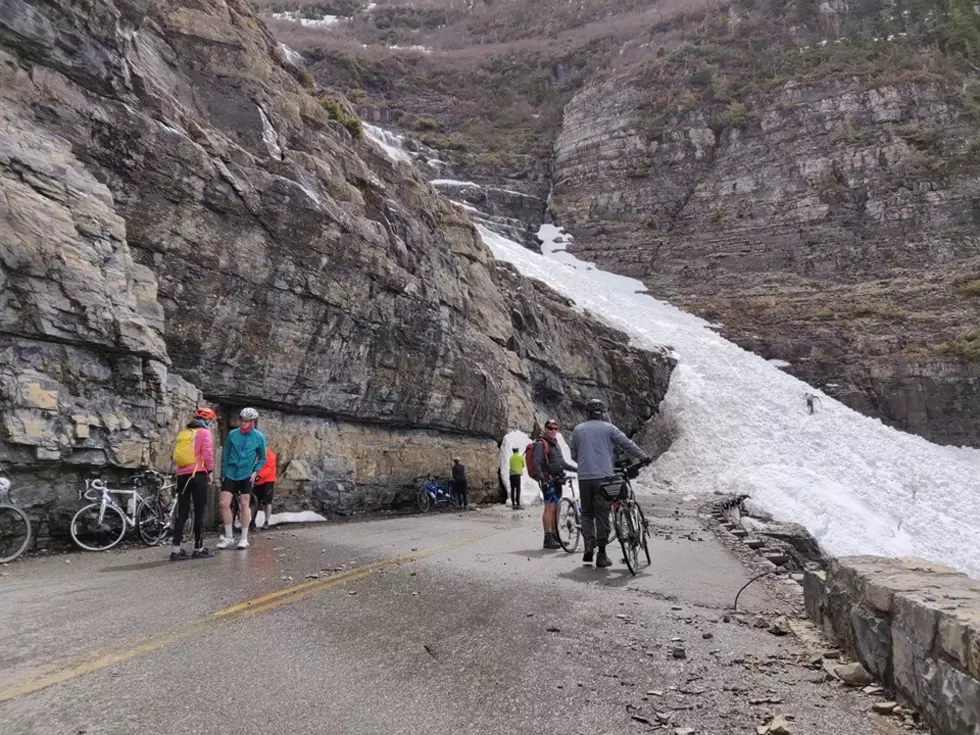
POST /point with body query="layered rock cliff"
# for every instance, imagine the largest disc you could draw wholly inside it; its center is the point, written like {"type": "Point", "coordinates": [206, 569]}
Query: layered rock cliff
{"type": "Point", "coordinates": [182, 219]}
{"type": "Point", "coordinates": [830, 225]}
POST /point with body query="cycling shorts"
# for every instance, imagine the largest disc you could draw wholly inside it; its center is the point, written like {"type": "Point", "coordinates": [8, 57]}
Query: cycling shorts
{"type": "Point", "coordinates": [553, 491]}
{"type": "Point", "coordinates": [264, 491]}
{"type": "Point", "coordinates": [236, 487]}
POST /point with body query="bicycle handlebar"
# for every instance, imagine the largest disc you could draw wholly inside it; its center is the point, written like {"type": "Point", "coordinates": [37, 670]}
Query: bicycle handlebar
{"type": "Point", "coordinates": [632, 468]}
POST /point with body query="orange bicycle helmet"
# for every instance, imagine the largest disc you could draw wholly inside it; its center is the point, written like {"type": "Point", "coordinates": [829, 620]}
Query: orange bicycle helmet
{"type": "Point", "coordinates": [205, 413]}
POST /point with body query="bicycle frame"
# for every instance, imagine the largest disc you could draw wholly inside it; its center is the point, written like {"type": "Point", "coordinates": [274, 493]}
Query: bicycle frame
{"type": "Point", "coordinates": [97, 490]}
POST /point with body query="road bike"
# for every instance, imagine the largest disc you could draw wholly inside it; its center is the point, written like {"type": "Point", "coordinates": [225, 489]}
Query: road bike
{"type": "Point", "coordinates": [435, 494]}
{"type": "Point", "coordinates": [632, 527]}
{"type": "Point", "coordinates": [101, 524]}
{"type": "Point", "coordinates": [15, 528]}
{"type": "Point", "coordinates": [569, 527]}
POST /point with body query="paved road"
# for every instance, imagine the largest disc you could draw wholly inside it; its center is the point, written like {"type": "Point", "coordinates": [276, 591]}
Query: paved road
{"type": "Point", "coordinates": [447, 623]}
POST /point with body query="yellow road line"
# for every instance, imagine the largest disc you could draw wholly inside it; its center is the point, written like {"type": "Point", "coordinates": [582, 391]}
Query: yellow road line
{"type": "Point", "coordinates": [71, 668]}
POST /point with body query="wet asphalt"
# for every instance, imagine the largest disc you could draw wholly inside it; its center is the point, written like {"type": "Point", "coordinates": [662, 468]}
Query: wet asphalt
{"type": "Point", "coordinates": [439, 624]}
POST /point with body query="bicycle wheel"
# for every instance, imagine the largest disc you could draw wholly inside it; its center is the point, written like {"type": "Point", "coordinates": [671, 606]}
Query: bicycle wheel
{"type": "Point", "coordinates": [424, 500]}
{"type": "Point", "coordinates": [150, 522]}
{"type": "Point", "coordinates": [628, 539]}
{"type": "Point", "coordinates": [15, 533]}
{"type": "Point", "coordinates": [644, 532]}
{"type": "Point", "coordinates": [93, 534]}
{"type": "Point", "coordinates": [569, 525]}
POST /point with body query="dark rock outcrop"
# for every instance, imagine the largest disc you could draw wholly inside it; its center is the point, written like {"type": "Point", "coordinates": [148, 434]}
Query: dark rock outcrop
{"type": "Point", "coordinates": [180, 215]}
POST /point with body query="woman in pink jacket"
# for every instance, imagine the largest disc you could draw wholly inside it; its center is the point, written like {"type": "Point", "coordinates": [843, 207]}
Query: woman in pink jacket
{"type": "Point", "coordinates": [192, 484]}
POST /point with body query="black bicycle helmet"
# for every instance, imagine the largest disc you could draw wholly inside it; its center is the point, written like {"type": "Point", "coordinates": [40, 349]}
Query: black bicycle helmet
{"type": "Point", "coordinates": [595, 406]}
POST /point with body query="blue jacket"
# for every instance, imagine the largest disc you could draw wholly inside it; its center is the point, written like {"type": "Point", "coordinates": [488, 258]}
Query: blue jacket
{"type": "Point", "coordinates": [243, 454]}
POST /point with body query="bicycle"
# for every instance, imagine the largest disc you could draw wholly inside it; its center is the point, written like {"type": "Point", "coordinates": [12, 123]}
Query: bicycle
{"type": "Point", "coordinates": [434, 494]}
{"type": "Point", "coordinates": [15, 528]}
{"type": "Point", "coordinates": [101, 525]}
{"type": "Point", "coordinates": [236, 510]}
{"type": "Point", "coordinates": [632, 527]}
{"type": "Point", "coordinates": [160, 520]}
{"type": "Point", "coordinates": [569, 529]}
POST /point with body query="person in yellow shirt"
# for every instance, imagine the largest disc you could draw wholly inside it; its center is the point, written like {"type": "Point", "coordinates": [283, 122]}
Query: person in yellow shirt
{"type": "Point", "coordinates": [516, 473]}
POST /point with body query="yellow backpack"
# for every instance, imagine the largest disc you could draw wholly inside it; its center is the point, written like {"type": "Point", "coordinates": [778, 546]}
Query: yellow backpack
{"type": "Point", "coordinates": [184, 454]}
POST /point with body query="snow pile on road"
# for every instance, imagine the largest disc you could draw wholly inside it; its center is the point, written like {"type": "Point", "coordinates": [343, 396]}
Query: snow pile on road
{"type": "Point", "coordinates": [277, 519]}
{"type": "Point", "coordinates": [530, 492]}
{"type": "Point", "coordinates": [742, 426]}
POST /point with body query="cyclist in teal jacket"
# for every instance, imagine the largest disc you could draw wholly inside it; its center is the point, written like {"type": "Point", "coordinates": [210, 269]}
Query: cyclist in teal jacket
{"type": "Point", "coordinates": [241, 459]}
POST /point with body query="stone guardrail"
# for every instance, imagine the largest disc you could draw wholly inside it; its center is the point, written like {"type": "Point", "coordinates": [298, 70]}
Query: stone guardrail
{"type": "Point", "coordinates": [914, 625]}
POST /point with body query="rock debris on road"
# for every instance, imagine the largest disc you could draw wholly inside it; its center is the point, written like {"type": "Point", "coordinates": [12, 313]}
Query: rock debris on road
{"type": "Point", "coordinates": [434, 624]}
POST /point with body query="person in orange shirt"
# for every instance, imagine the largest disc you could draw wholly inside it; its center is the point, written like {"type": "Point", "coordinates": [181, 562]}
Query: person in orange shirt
{"type": "Point", "coordinates": [265, 485]}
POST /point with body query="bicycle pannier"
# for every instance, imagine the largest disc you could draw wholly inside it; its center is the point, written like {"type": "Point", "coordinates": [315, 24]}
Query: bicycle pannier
{"type": "Point", "coordinates": [614, 491]}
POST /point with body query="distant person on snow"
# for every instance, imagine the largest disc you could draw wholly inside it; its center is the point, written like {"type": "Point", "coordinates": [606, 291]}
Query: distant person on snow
{"type": "Point", "coordinates": [549, 468]}
{"type": "Point", "coordinates": [810, 398]}
{"type": "Point", "coordinates": [516, 475]}
{"type": "Point", "coordinates": [459, 482]}
{"type": "Point", "coordinates": [194, 457]}
{"type": "Point", "coordinates": [265, 488]}
{"type": "Point", "coordinates": [241, 460]}
{"type": "Point", "coordinates": [593, 445]}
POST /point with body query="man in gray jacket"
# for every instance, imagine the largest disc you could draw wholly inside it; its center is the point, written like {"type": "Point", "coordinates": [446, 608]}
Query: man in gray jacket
{"type": "Point", "coordinates": [592, 448]}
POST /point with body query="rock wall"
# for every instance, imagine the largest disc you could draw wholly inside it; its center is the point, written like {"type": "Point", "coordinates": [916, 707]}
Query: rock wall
{"type": "Point", "coordinates": [832, 227]}
{"type": "Point", "coordinates": [182, 217]}
{"type": "Point", "coordinates": [914, 625]}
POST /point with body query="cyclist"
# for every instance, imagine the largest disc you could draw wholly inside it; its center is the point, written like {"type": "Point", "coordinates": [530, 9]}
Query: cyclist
{"type": "Point", "coordinates": [265, 487]}
{"type": "Point", "coordinates": [592, 447]}
{"type": "Point", "coordinates": [550, 466]}
{"type": "Point", "coordinates": [192, 484]}
{"type": "Point", "coordinates": [516, 475]}
{"type": "Point", "coordinates": [241, 460]}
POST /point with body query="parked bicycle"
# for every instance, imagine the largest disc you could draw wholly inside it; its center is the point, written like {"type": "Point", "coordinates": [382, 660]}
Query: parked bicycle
{"type": "Point", "coordinates": [103, 523]}
{"type": "Point", "coordinates": [435, 494]}
{"type": "Point", "coordinates": [161, 519]}
{"type": "Point", "coordinates": [15, 528]}
{"type": "Point", "coordinates": [570, 520]}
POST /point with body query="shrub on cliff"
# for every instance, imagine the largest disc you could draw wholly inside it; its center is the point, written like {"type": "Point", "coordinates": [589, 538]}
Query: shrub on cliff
{"type": "Point", "coordinates": [735, 115]}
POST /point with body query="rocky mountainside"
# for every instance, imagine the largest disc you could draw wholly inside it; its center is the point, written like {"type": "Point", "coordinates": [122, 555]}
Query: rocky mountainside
{"type": "Point", "coordinates": [804, 175]}
{"type": "Point", "coordinates": [184, 217]}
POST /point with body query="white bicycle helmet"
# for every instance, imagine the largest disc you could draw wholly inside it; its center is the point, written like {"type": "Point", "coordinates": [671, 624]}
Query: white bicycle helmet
{"type": "Point", "coordinates": [249, 414]}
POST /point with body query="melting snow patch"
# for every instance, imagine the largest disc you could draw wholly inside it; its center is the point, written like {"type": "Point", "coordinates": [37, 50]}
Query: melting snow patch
{"type": "Point", "coordinates": [856, 484]}
{"type": "Point", "coordinates": [393, 145]}
{"type": "Point", "coordinates": [269, 135]}
{"type": "Point", "coordinates": [777, 363]}
{"type": "Point", "coordinates": [454, 183]}
{"type": "Point", "coordinates": [276, 519]}
{"type": "Point", "coordinates": [296, 17]}
{"type": "Point", "coordinates": [293, 57]}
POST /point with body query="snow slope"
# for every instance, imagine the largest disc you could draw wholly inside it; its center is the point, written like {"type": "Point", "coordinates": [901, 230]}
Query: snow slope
{"type": "Point", "coordinates": [857, 485]}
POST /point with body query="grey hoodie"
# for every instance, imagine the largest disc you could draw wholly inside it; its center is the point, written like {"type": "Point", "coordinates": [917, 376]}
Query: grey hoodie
{"type": "Point", "coordinates": [592, 448]}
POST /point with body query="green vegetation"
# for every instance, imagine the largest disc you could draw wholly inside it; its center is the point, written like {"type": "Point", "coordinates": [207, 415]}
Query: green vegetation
{"type": "Point", "coordinates": [969, 288]}
{"type": "Point", "coordinates": [734, 116]}
{"type": "Point", "coordinates": [337, 112]}
{"type": "Point", "coordinates": [920, 136]}
{"type": "Point", "coordinates": [967, 348]}
{"type": "Point", "coordinates": [641, 171]}
{"type": "Point", "coordinates": [305, 79]}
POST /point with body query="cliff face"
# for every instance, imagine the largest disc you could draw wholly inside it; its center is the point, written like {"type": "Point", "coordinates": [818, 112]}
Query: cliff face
{"type": "Point", "coordinates": [831, 225]}
{"type": "Point", "coordinates": [179, 215]}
